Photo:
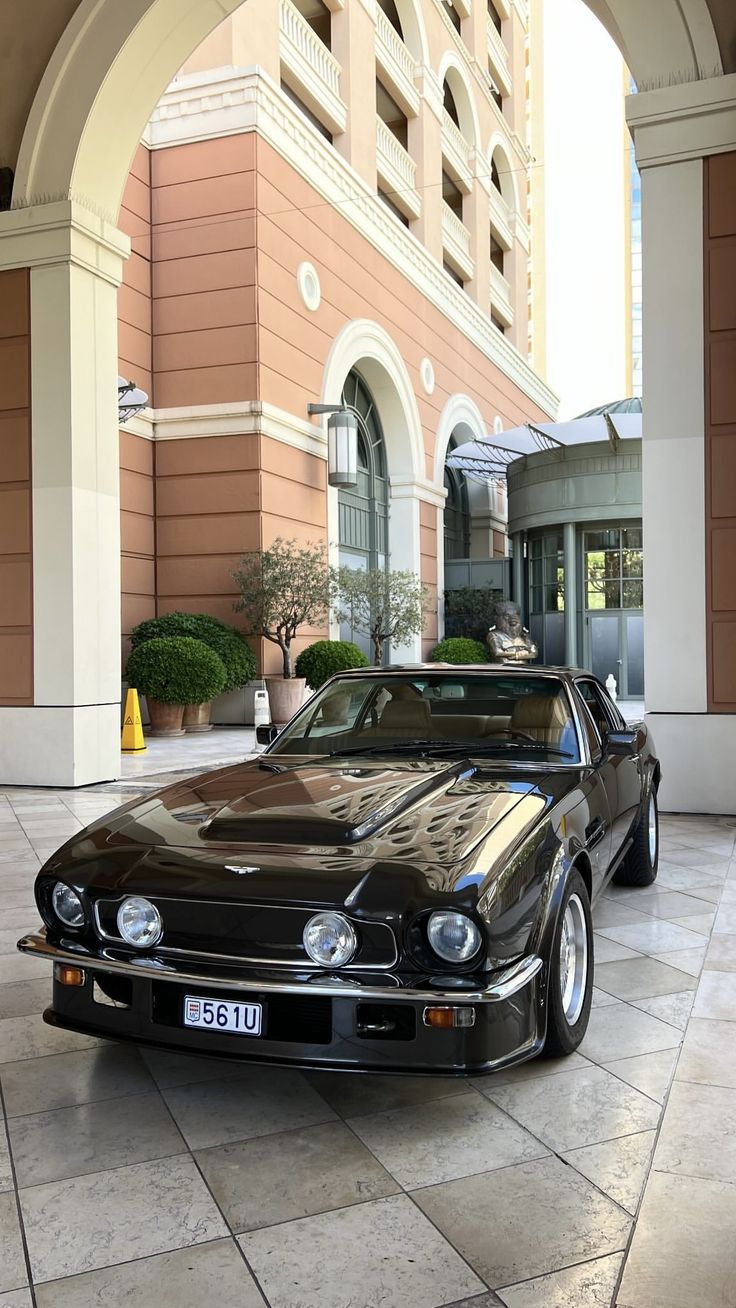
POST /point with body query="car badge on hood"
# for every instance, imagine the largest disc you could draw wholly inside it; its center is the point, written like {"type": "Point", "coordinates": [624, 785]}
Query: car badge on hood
{"type": "Point", "coordinates": [239, 870]}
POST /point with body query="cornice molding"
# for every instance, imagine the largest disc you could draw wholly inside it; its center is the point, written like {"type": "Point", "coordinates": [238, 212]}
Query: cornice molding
{"type": "Point", "coordinates": [63, 231]}
{"type": "Point", "coordinates": [686, 121]}
{"type": "Point", "coordinates": [228, 101]}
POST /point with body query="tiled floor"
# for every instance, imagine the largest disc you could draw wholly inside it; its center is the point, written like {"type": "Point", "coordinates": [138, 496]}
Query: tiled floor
{"type": "Point", "coordinates": [160, 1181]}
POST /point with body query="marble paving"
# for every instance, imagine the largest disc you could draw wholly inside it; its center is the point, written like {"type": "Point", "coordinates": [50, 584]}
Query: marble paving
{"type": "Point", "coordinates": [162, 1181]}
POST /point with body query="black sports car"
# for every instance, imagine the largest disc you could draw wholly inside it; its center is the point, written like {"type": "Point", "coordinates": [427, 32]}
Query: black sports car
{"type": "Point", "coordinates": [402, 881]}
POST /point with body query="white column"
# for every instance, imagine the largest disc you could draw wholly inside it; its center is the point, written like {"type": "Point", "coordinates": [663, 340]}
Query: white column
{"type": "Point", "coordinates": [404, 542]}
{"type": "Point", "coordinates": [571, 596]}
{"type": "Point", "coordinates": [673, 130]}
{"type": "Point", "coordinates": [517, 565]}
{"type": "Point", "coordinates": [71, 735]}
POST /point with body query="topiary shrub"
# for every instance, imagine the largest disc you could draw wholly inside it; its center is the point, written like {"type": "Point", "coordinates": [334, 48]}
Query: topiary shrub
{"type": "Point", "coordinates": [227, 643]}
{"type": "Point", "coordinates": [176, 670]}
{"type": "Point", "coordinates": [319, 661]}
{"type": "Point", "coordinates": [459, 649]}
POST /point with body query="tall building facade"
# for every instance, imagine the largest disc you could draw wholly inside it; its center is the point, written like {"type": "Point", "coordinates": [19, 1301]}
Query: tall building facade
{"type": "Point", "coordinates": [329, 203]}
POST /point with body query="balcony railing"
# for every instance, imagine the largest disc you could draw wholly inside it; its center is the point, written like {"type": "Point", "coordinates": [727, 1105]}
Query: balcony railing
{"type": "Point", "coordinates": [456, 240]}
{"type": "Point", "coordinates": [501, 295]}
{"type": "Point", "coordinates": [456, 149]}
{"type": "Point", "coordinates": [312, 65]}
{"type": "Point", "coordinates": [395, 60]}
{"type": "Point", "coordinates": [501, 216]}
{"type": "Point", "coordinates": [397, 170]}
{"type": "Point", "coordinates": [499, 57]}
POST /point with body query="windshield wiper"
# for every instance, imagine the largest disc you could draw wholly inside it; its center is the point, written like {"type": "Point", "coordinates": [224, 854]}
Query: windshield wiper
{"type": "Point", "coordinates": [450, 746]}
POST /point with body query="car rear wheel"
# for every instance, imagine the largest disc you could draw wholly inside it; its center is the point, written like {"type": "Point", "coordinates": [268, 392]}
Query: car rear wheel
{"type": "Point", "coordinates": [639, 868]}
{"type": "Point", "coordinates": [570, 972]}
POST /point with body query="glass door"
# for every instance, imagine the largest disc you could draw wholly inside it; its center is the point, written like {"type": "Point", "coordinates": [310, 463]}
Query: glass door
{"type": "Point", "coordinates": [613, 579]}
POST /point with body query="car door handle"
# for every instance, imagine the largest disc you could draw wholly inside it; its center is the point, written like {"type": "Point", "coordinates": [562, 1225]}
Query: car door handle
{"type": "Point", "coordinates": [594, 832]}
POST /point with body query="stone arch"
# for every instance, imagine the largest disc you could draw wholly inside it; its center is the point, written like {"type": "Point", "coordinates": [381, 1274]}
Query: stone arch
{"type": "Point", "coordinates": [414, 29]}
{"type": "Point", "coordinates": [498, 154]}
{"type": "Point", "coordinates": [452, 72]}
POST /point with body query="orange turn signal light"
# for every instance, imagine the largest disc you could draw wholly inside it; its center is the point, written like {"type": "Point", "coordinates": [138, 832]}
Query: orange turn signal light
{"type": "Point", "coordinates": [69, 976]}
{"type": "Point", "coordinates": [449, 1016]}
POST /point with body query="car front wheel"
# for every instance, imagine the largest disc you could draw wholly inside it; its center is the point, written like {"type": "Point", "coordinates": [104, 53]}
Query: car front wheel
{"type": "Point", "coordinates": [570, 972]}
{"type": "Point", "coordinates": [639, 868]}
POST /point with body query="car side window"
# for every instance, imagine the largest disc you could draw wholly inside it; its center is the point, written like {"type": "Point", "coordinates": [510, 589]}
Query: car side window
{"type": "Point", "coordinates": [604, 720]}
{"type": "Point", "coordinates": [591, 731]}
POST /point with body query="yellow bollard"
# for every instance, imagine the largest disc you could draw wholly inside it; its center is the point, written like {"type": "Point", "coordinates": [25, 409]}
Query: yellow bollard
{"type": "Point", "coordinates": [132, 742]}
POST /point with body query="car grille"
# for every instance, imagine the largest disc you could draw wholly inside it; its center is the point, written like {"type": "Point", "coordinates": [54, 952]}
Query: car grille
{"type": "Point", "coordinates": [287, 1018]}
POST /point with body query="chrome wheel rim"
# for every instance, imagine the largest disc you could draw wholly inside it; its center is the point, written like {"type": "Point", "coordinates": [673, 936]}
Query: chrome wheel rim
{"type": "Point", "coordinates": [573, 959]}
{"type": "Point", "coordinates": [652, 829]}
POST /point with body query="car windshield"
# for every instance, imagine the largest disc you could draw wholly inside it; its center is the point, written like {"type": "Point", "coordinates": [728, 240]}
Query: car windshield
{"type": "Point", "coordinates": [513, 717]}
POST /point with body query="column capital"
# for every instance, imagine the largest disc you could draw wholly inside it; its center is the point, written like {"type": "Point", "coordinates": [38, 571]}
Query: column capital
{"type": "Point", "coordinates": [686, 121]}
{"type": "Point", "coordinates": [63, 232]}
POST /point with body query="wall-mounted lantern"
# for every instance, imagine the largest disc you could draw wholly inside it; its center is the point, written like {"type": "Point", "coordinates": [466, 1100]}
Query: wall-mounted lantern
{"type": "Point", "coordinates": [342, 443]}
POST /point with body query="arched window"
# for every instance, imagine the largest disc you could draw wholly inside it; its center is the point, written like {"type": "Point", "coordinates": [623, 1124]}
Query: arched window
{"type": "Point", "coordinates": [457, 511]}
{"type": "Point", "coordinates": [448, 101]}
{"type": "Point", "coordinates": [392, 14]}
{"type": "Point", "coordinates": [363, 509]}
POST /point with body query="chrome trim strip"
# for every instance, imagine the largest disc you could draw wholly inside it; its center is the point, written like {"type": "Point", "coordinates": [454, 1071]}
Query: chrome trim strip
{"type": "Point", "coordinates": [236, 959]}
{"type": "Point", "coordinates": [506, 984]}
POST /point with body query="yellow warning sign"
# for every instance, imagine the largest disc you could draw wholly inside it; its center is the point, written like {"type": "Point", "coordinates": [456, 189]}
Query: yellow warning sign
{"type": "Point", "coordinates": [132, 742]}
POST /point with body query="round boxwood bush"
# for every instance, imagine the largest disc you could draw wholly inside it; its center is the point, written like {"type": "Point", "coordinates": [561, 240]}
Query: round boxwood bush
{"type": "Point", "coordinates": [227, 643]}
{"type": "Point", "coordinates": [319, 661]}
{"type": "Point", "coordinates": [459, 649]}
{"type": "Point", "coordinates": [176, 670]}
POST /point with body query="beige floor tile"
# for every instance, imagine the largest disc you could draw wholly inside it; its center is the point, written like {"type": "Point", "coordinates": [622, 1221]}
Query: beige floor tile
{"type": "Point", "coordinates": [384, 1252]}
{"type": "Point", "coordinates": [725, 923]}
{"type": "Point", "coordinates": [587, 1106]}
{"type": "Point", "coordinates": [351, 1096]}
{"type": "Point", "coordinates": [698, 1134]}
{"type": "Point", "coordinates": [641, 978]}
{"type": "Point", "coordinates": [204, 1274]}
{"type": "Point", "coordinates": [708, 1054]}
{"type": "Point", "coordinates": [702, 923]}
{"type": "Point", "coordinates": [23, 998]}
{"type": "Point", "coordinates": [590, 1285]}
{"type": "Point", "coordinates": [687, 879]}
{"type": "Point", "coordinates": [441, 1141]}
{"type": "Point", "coordinates": [601, 999]}
{"type": "Point", "coordinates": [277, 1178]}
{"type": "Point", "coordinates": [609, 913]}
{"type": "Point", "coordinates": [6, 1174]}
{"type": "Point", "coordinates": [695, 858]}
{"type": "Point", "coordinates": [607, 951]}
{"type": "Point", "coordinates": [683, 1254]}
{"type": "Point", "coordinates": [30, 1037]}
{"type": "Point", "coordinates": [169, 1070]}
{"type": "Point", "coordinates": [687, 960]}
{"type": "Point", "coordinates": [565, 1220]}
{"type": "Point", "coordinates": [19, 967]}
{"type": "Point", "coordinates": [12, 1263]}
{"type": "Point", "coordinates": [110, 1217]}
{"type": "Point", "coordinates": [618, 1167]}
{"type": "Point", "coordinates": [260, 1102]}
{"type": "Point", "coordinates": [16, 1299]}
{"type": "Point", "coordinates": [721, 954]}
{"type": "Point", "coordinates": [653, 936]}
{"type": "Point", "coordinates": [102, 1135]}
{"type": "Point", "coordinates": [650, 1073]}
{"type": "Point", "coordinates": [621, 1031]}
{"type": "Point", "coordinates": [716, 997]}
{"type": "Point", "coordinates": [40, 1085]}
{"type": "Point", "coordinates": [674, 1009]}
{"type": "Point", "coordinates": [531, 1070]}
{"type": "Point", "coordinates": [669, 903]}
{"type": "Point", "coordinates": [488, 1300]}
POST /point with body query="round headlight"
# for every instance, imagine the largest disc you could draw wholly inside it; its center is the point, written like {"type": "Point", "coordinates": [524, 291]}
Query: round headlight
{"type": "Point", "coordinates": [139, 923]}
{"type": "Point", "coordinates": [67, 905]}
{"type": "Point", "coordinates": [453, 936]}
{"type": "Point", "coordinates": [329, 939]}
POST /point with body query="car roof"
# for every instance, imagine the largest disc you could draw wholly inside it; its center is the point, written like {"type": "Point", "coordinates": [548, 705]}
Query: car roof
{"type": "Point", "coordinates": [453, 668]}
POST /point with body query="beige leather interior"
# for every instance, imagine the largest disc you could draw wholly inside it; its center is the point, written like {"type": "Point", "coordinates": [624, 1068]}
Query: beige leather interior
{"type": "Point", "coordinates": [407, 717]}
{"type": "Point", "coordinates": [543, 717]}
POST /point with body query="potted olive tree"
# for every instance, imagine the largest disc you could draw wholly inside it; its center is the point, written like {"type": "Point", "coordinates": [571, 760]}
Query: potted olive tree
{"type": "Point", "coordinates": [381, 605]}
{"type": "Point", "coordinates": [228, 643]}
{"type": "Point", "coordinates": [173, 671]}
{"type": "Point", "coordinates": [282, 589]}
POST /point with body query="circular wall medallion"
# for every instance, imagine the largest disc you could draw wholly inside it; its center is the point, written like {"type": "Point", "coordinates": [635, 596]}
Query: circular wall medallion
{"type": "Point", "coordinates": [426, 373]}
{"type": "Point", "coordinates": [309, 287]}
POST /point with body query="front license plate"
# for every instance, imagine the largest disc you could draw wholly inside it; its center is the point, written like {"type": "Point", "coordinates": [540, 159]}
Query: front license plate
{"type": "Point", "coordinates": [223, 1015]}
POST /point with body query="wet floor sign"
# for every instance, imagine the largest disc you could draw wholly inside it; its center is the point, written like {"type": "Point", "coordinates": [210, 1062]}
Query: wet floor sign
{"type": "Point", "coordinates": [132, 742]}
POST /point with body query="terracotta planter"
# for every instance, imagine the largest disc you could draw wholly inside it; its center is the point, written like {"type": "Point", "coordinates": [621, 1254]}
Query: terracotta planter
{"type": "Point", "coordinates": [197, 717]}
{"type": "Point", "coordinates": [285, 697]}
{"type": "Point", "coordinates": [165, 718]}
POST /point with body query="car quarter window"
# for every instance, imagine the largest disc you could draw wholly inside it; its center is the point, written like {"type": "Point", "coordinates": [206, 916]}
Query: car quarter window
{"type": "Point", "coordinates": [602, 709]}
{"type": "Point", "coordinates": [591, 731]}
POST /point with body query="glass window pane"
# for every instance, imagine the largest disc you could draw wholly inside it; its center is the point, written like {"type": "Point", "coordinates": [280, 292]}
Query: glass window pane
{"type": "Point", "coordinates": [633, 563]}
{"type": "Point", "coordinates": [604, 645]}
{"type": "Point", "coordinates": [550, 568]}
{"type": "Point", "coordinates": [633, 595]}
{"type": "Point", "coordinates": [536, 548]}
{"type": "Point", "coordinates": [635, 654]}
{"type": "Point", "coordinates": [612, 594]}
{"type": "Point", "coordinates": [632, 538]}
{"type": "Point", "coordinates": [551, 544]}
{"type": "Point", "coordinates": [536, 599]}
{"type": "Point", "coordinates": [536, 572]}
{"type": "Point", "coordinates": [554, 600]}
{"type": "Point", "coordinates": [554, 639]}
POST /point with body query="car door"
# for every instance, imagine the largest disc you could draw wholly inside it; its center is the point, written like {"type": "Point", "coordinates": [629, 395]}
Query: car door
{"type": "Point", "coordinates": [622, 773]}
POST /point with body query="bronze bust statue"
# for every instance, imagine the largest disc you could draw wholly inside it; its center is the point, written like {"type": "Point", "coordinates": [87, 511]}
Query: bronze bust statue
{"type": "Point", "coordinates": [508, 641]}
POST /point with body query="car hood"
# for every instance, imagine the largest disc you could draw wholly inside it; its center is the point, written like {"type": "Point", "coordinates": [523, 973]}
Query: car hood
{"type": "Point", "coordinates": [310, 829]}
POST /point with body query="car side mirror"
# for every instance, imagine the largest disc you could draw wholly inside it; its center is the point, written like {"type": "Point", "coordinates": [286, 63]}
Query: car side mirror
{"type": "Point", "coordinates": [266, 734]}
{"type": "Point", "coordinates": [622, 743]}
